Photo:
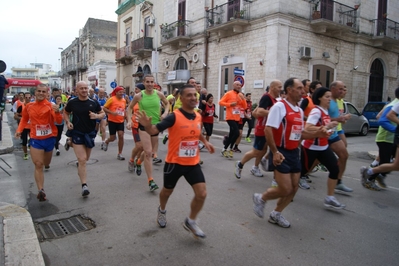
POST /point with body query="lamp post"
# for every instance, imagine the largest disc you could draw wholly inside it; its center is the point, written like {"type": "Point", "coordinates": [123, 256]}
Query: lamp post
{"type": "Point", "coordinates": [62, 49]}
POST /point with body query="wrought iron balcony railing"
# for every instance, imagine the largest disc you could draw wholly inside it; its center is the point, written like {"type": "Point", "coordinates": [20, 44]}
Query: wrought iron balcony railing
{"type": "Point", "coordinates": [178, 28]}
{"type": "Point", "coordinates": [141, 44]}
{"type": "Point", "coordinates": [225, 13]}
{"type": "Point", "coordinates": [335, 12]}
{"type": "Point", "coordinates": [386, 27]}
{"type": "Point", "coordinates": [123, 52]}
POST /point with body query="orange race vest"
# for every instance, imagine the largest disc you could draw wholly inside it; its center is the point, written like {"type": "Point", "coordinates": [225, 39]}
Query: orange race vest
{"type": "Point", "coordinates": [184, 139]}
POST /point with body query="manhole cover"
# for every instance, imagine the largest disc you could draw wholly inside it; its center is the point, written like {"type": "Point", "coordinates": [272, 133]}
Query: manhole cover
{"type": "Point", "coordinates": [63, 227]}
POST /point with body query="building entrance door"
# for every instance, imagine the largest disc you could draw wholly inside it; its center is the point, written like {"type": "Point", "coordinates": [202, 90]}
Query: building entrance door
{"type": "Point", "coordinates": [324, 74]}
{"type": "Point", "coordinates": [376, 81]}
{"type": "Point", "coordinates": [227, 80]}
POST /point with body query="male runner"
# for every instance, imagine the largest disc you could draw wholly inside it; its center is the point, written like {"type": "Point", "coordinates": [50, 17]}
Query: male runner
{"type": "Point", "coordinates": [182, 159]}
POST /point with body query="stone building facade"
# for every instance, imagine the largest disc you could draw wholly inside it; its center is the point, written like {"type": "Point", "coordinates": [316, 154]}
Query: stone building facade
{"type": "Point", "coordinates": [355, 41]}
{"type": "Point", "coordinates": [91, 56]}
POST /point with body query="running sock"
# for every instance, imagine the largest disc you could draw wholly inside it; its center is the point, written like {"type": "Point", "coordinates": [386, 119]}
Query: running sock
{"type": "Point", "coordinates": [330, 197]}
{"type": "Point", "coordinates": [190, 221]}
{"type": "Point", "coordinates": [275, 212]}
{"type": "Point", "coordinates": [370, 171]}
{"type": "Point", "coordinates": [162, 211]}
{"type": "Point", "coordinates": [138, 161]}
{"type": "Point", "coordinates": [84, 184]}
{"type": "Point", "coordinates": [374, 163]}
{"type": "Point", "coordinates": [240, 165]}
{"type": "Point", "coordinates": [150, 179]}
{"type": "Point", "coordinates": [235, 146]}
{"type": "Point", "coordinates": [131, 160]}
{"type": "Point", "coordinates": [339, 181]}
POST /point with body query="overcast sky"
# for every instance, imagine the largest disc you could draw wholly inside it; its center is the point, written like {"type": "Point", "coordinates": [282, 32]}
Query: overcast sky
{"type": "Point", "coordinates": [32, 31]}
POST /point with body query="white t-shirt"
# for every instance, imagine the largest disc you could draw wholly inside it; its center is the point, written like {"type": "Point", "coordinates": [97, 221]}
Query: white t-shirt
{"type": "Point", "coordinates": [395, 108]}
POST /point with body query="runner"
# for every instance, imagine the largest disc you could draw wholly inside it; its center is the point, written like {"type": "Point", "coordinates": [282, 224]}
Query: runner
{"type": "Point", "coordinates": [60, 126]}
{"type": "Point", "coordinates": [26, 130]}
{"type": "Point", "coordinates": [260, 147]}
{"type": "Point", "coordinates": [334, 141]}
{"type": "Point", "coordinates": [208, 113]}
{"type": "Point", "coordinates": [182, 159]}
{"type": "Point", "coordinates": [115, 109]}
{"type": "Point", "coordinates": [42, 118]}
{"type": "Point", "coordinates": [368, 175]}
{"type": "Point", "coordinates": [317, 149]}
{"type": "Point", "coordinates": [137, 155]}
{"type": "Point", "coordinates": [284, 130]}
{"type": "Point", "coordinates": [233, 100]}
{"type": "Point", "coordinates": [101, 124]}
{"type": "Point", "coordinates": [148, 100]}
{"type": "Point", "coordinates": [82, 131]}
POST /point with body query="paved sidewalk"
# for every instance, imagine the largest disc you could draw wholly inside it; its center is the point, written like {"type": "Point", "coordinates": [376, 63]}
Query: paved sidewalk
{"type": "Point", "coordinates": [18, 240]}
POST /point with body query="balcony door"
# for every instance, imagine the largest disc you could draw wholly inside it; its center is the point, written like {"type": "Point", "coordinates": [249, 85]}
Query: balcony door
{"type": "Point", "coordinates": [181, 30]}
{"type": "Point", "coordinates": [233, 7]}
{"type": "Point", "coordinates": [227, 80]}
{"type": "Point", "coordinates": [376, 81]}
{"type": "Point", "coordinates": [382, 17]}
{"type": "Point", "coordinates": [327, 9]}
{"type": "Point", "coordinates": [324, 74]}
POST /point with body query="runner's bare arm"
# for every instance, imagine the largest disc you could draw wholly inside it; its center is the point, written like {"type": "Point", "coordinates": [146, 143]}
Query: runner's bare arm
{"type": "Point", "coordinates": [166, 104]}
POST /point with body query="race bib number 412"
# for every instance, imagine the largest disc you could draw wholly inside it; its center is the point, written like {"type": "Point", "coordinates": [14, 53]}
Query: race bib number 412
{"type": "Point", "coordinates": [188, 148]}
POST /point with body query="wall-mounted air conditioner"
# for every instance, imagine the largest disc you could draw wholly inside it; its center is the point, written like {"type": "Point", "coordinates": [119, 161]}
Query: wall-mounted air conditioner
{"type": "Point", "coordinates": [306, 52]}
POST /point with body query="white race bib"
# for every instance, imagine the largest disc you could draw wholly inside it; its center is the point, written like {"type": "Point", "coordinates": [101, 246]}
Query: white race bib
{"type": "Point", "coordinates": [296, 132]}
{"type": "Point", "coordinates": [188, 148]}
{"type": "Point", "coordinates": [120, 112]}
{"type": "Point", "coordinates": [236, 111]}
{"type": "Point", "coordinates": [43, 130]}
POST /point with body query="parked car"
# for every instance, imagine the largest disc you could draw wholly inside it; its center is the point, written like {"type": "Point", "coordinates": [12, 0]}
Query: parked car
{"type": "Point", "coordinates": [357, 123]}
{"type": "Point", "coordinates": [371, 110]}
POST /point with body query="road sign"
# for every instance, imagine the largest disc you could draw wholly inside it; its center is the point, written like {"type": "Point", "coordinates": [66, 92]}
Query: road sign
{"type": "Point", "coordinates": [239, 72]}
{"type": "Point", "coordinates": [240, 79]}
{"type": "Point", "coordinates": [113, 84]}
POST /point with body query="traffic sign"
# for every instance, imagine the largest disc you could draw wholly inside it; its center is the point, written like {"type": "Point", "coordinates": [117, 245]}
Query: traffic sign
{"type": "Point", "coordinates": [113, 84]}
{"type": "Point", "coordinates": [240, 79]}
{"type": "Point", "coordinates": [239, 72]}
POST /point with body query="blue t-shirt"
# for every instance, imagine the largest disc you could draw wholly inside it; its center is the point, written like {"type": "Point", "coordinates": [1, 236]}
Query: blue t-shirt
{"type": "Point", "coordinates": [333, 111]}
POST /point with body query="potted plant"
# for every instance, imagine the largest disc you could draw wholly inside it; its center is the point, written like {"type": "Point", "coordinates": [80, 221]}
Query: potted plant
{"type": "Point", "coordinates": [316, 13]}
{"type": "Point", "coordinates": [357, 6]}
{"type": "Point", "coordinates": [181, 24]}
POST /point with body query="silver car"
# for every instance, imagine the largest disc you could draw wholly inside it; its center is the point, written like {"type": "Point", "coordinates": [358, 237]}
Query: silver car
{"type": "Point", "coordinates": [358, 123]}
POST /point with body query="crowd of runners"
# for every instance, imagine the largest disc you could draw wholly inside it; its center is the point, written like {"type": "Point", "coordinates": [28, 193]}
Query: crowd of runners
{"type": "Point", "coordinates": [297, 128]}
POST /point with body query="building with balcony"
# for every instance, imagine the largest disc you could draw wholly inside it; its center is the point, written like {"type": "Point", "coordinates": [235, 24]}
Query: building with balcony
{"type": "Point", "coordinates": [91, 56]}
{"type": "Point", "coordinates": [218, 41]}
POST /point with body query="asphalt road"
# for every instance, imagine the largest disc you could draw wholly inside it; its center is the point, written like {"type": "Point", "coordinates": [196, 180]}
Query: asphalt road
{"type": "Point", "coordinates": [126, 233]}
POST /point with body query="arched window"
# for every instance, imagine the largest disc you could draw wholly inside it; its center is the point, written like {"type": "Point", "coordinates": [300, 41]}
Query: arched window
{"type": "Point", "coordinates": [146, 70]}
{"type": "Point", "coordinates": [181, 63]}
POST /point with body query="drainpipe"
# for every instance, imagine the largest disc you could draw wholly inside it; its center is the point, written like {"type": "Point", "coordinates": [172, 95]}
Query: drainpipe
{"type": "Point", "coordinates": [206, 46]}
